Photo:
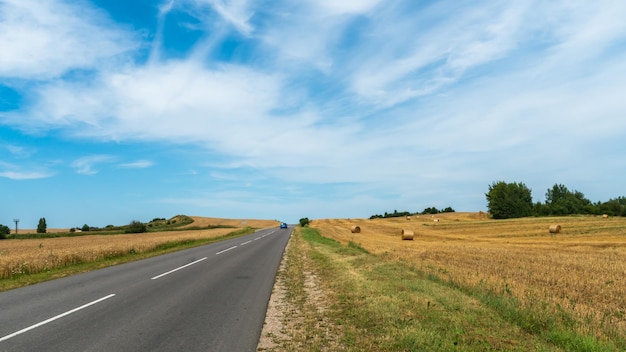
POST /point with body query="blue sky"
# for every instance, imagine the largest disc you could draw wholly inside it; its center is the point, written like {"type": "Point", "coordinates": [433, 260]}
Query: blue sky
{"type": "Point", "coordinates": [112, 111]}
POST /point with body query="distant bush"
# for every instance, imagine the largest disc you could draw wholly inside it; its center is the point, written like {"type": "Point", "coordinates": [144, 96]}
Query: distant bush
{"type": "Point", "coordinates": [613, 207]}
{"type": "Point", "coordinates": [509, 200]}
{"type": "Point", "coordinates": [304, 222]}
{"type": "Point", "coordinates": [4, 231]}
{"type": "Point", "coordinates": [400, 214]}
{"type": "Point", "coordinates": [85, 228]}
{"type": "Point", "coordinates": [42, 227]}
{"type": "Point", "coordinates": [136, 227]}
{"type": "Point", "coordinates": [395, 214]}
{"type": "Point", "coordinates": [433, 210]}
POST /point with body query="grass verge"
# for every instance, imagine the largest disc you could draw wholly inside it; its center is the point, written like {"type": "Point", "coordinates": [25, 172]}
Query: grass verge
{"type": "Point", "coordinates": [80, 267]}
{"type": "Point", "coordinates": [379, 304]}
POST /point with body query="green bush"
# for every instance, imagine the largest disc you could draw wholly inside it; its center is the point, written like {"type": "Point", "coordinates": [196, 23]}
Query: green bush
{"type": "Point", "coordinates": [509, 200]}
{"type": "Point", "coordinates": [4, 231]}
{"type": "Point", "coordinates": [562, 201]}
{"type": "Point", "coordinates": [42, 227]}
{"type": "Point", "coordinates": [136, 227]}
{"type": "Point", "coordinates": [304, 222]}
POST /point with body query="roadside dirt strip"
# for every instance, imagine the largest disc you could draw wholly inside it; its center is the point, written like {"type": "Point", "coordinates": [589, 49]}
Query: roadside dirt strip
{"type": "Point", "coordinates": [295, 318]}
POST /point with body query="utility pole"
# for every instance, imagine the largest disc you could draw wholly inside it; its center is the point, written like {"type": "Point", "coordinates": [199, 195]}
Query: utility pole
{"type": "Point", "coordinates": [16, 221]}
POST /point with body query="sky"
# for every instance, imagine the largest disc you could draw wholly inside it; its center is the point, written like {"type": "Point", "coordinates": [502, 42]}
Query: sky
{"type": "Point", "coordinates": [113, 110]}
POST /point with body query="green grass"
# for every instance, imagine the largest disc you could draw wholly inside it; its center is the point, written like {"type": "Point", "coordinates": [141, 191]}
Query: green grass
{"type": "Point", "coordinates": [384, 305]}
{"type": "Point", "coordinates": [80, 267]}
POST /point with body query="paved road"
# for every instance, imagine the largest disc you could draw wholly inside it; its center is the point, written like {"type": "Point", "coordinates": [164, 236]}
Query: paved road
{"type": "Point", "coordinates": [210, 298]}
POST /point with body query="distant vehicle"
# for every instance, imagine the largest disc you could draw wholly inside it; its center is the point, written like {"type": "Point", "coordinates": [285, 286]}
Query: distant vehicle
{"type": "Point", "coordinates": [283, 225]}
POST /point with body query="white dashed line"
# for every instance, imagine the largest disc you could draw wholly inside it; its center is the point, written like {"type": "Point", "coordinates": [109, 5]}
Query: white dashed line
{"type": "Point", "coordinates": [55, 318]}
{"type": "Point", "coordinates": [226, 250]}
{"type": "Point", "coordinates": [182, 267]}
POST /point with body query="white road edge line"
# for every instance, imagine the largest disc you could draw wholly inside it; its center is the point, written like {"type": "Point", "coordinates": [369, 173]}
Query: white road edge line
{"type": "Point", "coordinates": [226, 250]}
{"type": "Point", "coordinates": [181, 267]}
{"type": "Point", "coordinates": [55, 318]}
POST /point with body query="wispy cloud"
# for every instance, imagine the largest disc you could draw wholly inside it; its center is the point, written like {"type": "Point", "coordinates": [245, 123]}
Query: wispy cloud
{"type": "Point", "coordinates": [139, 164]}
{"type": "Point", "coordinates": [18, 172]}
{"type": "Point", "coordinates": [20, 151]}
{"type": "Point", "coordinates": [46, 39]}
{"type": "Point", "coordinates": [346, 7]}
{"type": "Point", "coordinates": [88, 165]}
{"type": "Point", "coordinates": [25, 175]}
{"type": "Point", "coordinates": [369, 93]}
{"type": "Point", "coordinates": [235, 12]}
{"type": "Point", "coordinates": [184, 100]}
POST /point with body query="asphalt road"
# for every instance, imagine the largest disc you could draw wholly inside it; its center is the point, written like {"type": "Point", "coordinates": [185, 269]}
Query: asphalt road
{"type": "Point", "coordinates": [209, 298]}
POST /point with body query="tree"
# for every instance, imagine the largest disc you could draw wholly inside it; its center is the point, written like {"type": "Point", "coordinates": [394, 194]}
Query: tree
{"type": "Point", "coordinates": [509, 200]}
{"type": "Point", "coordinates": [614, 207]}
{"type": "Point", "coordinates": [85, 228]}
{"type": "Point", "coordinates": [304, 222]}
{"type": "Point", "coordinates": [136, 227]}
{"type": "Point", "coordinates": [42, 226]}
{"type": "Point", "coordinates": [4, 231]}
{"type": "Point", "coordinates": [431, 210]}
{"type": "Point", "coordinates": [562, 201]}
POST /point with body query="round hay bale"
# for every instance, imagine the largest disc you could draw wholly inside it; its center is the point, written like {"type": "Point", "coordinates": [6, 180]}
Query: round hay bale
{"type": "Point", "coordinates": [554, 228]}
{"type": "Point", "coordinates": [407, 235]}
{"type": "Point", "coordinates": [355, 229]}
{"type": "Point", "coordinates": [605, 216]}
{"type": "Point", "coordinates": [408, 218]}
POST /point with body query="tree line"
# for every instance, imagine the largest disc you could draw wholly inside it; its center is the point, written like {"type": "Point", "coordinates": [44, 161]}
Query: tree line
{"type": "Point", "coordinates": [398, 214]}
{"type": "Point", "coordinates": [42, 227]}
{"type": "Point", "coordinates": [514, 200]}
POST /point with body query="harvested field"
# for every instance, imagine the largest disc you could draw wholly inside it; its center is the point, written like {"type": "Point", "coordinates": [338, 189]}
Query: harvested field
{"type": "Point", "coordinates": [28, 256]}
{"type": "Point", "coordinates": [256, 223]}
{"type": "Point", "coordinates": [580, 271]}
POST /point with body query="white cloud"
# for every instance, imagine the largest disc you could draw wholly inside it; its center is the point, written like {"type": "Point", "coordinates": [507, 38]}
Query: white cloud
{"type": "Point", "coordinates": [229, 110]}
{"type": "Point", "coordinates": [19, 172]}
{"type": "Point", "coordinates": [25, 175]}
{"type": "Point", "coordinates": [139, 164]}
{"type": "Point", "coordinates": [236, 12]}
{"type": "Point", "coordinates": [87, 165]}
{"type": "Point", "coordinates": [45, 39]}
{"type": "Point", "coordinates": [459, 37]}
{"type": "Point", "coordinates": [346, 7]}
{"type": "Point", "coordinates": [20, 151]}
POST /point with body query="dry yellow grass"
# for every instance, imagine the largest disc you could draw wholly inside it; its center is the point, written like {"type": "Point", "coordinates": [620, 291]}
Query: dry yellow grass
{"type": "Point", "coordinates": [256, 223]}
{"type": "Point", "coordinates": [36, 255]}
{"type": "Point", "coordinates": [581, 270]}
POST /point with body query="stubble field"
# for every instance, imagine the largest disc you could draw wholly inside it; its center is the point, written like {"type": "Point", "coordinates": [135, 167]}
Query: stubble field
{"type": "Point", "coordinates": [579, 272]}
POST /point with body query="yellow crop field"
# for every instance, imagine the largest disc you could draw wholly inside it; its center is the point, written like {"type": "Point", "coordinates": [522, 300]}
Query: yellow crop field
{"type": "Point", "coordinates": [27, 256]}
{"type": "Point", "coordinates": [256, 223]}
{"type": "Point", "coordinates": [581, 270]}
